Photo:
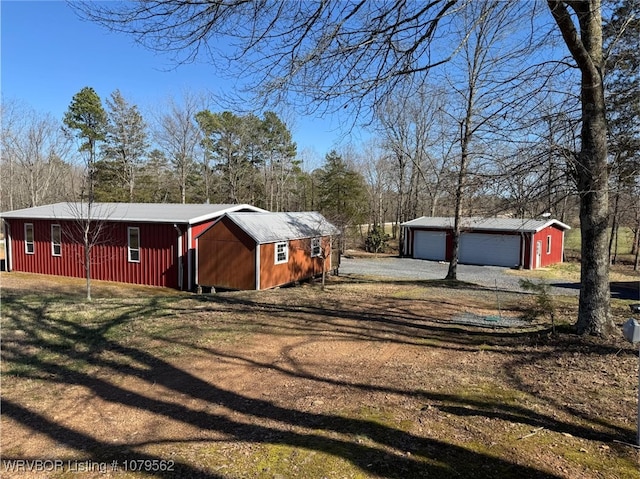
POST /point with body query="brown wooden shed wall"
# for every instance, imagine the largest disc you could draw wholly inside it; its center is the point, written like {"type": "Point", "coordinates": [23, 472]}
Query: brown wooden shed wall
{"type": "Point", "coordinates": [299, 267]}
{"type": "Point", "coordinates": [226, 257]}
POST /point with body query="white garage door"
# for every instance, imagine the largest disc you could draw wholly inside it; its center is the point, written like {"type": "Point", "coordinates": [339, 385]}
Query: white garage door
{"type": "Point", "coordinates": [429, 245]}
{"type": "Point", "coordinates": [490, 249]}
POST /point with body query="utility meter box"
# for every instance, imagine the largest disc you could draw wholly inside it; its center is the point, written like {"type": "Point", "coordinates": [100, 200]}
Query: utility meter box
{"type": "Point", "coordinates": [631, 331]}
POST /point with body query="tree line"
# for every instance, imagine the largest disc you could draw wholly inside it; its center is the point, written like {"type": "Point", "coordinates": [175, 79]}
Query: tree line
{"type": "Point", "coordinates": [411, 169]}
{"type": "Point", "coordinates": [108, 152]}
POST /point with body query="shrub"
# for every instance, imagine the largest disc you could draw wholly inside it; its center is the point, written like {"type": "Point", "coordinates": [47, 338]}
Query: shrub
{"type": "Point", "coordinates": [376, 240]}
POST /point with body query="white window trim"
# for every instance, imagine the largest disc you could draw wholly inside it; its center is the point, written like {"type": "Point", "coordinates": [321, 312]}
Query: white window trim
{"type": "Point", "coordinates": [129, 249]}
{"type": "Point", "coordinates": [53, 245]}
{"type": "Point", "coordinates": [286, 252]}
{"type": "Point", "coordinates": [33, 239]}
{"type": "Point", "coordinates": [548, 244]}
{"type": "Point", "coordinates": [316, 246]}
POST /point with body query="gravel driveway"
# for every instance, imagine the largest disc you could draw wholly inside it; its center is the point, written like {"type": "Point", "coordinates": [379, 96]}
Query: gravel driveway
{"type": "Point", "coordinates": [418, 269]}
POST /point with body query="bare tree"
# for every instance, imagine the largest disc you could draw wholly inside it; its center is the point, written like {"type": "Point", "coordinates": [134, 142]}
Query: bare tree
{"type": "Point", "coordinates": [370, 46]}
{"type": "Point", "coordinates": [87, 119]}
{"type": "Point", "coordinates": [584, 41]}
{"type": "Point", "coordinates": [483, 74]}
{"type": "Point", "coordinates": [416, 137]}
{"type": "Point", "coordinates": [377, 172]}
{"type": "Point", "coordinates": [10, 115]}
{"type": "Point", "coordinates": [179, 136]}
{"type": "Point", "coordinates": [34, 150]}
{"type": "Point", "coordinates": [90, 228]}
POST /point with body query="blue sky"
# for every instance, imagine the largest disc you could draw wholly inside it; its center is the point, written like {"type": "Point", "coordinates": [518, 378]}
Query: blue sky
{"type": "Point", "coordinates": [49, 54]}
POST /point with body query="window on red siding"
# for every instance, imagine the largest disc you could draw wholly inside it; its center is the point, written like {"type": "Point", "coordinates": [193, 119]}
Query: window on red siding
{"type": "Point", "coordinates": [56, 240]}
{"type": "Point", "coordinates": [134, 245]}
{"type": "Point", "coordinates": [549, 244]}
{"type": "Point", "coordinates": [29, 247]}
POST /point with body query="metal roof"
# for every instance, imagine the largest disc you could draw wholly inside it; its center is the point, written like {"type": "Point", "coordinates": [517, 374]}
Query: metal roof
{"type": "Point", "coordinates": [525, 225]}
{"type": "Point", "coordinates": [132, 212]}
{"type": "Point", "coordinates": [272, 227]}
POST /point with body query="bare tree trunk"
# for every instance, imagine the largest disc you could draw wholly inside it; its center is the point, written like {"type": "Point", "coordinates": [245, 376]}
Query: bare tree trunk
{"type": "Point", "coordinates": [87, 258]}
{"type": "Point", "coordinates": [131, 184]}
{"type": "Point", "coordinates": [465, 138]}
{"type": "Point", "coordinates": [635, 248]}
{"type": "Point", "coordinates": [592, 174]}
{"type": "Point", "coordinates": [613, 238]}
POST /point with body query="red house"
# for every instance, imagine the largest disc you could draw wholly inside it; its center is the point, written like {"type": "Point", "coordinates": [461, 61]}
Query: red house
{"type": "Point", "coordinates": [264, 250]}
{"type": "Point", "coordinates": [141, 243]}
{"type": "Point", "coordinates": [514, 243]}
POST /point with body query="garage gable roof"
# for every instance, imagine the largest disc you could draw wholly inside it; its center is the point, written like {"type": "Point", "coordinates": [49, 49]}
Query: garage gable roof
{"type": "Point", "coordinates": [525, 225]}
{"type": "Point", "coordinates": [273, 227]}
{"type": "Point", "coordinates": [133, 212]}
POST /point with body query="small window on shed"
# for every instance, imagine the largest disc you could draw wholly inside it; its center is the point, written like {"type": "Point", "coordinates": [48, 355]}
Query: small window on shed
{"type": "Point", "coordinates": [315, 247]}
{"type": "Point", "coordinates": [56, 240]}
{"type": "Point", "coordinates": [134, 245]}
{"type": "Point", "coordinates": [282, 252]}
{"type": "Point", "coordinates": [28, 239]}
{"type": "Point", "coordinates": [549, 244]}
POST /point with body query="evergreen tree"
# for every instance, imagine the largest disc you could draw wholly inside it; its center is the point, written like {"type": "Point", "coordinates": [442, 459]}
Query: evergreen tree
{"type": "Point", "coordinates": [236, 145]}
{"type": "Point", "coordinates": [87, 116]}
{"type": "Point", "coordinates": [125, 146]}
{"type": "Point", "coordinates": [279, 152]}
{"type": "Point", "coordinates": [341, 192]}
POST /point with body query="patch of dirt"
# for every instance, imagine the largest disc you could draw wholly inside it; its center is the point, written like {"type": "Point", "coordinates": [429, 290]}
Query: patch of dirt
{"type": "Point", "coordinates": [359, 380]}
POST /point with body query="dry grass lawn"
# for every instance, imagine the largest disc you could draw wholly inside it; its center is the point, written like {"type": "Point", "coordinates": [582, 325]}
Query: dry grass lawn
{"type": "Point", "coordinates": [363, 380]}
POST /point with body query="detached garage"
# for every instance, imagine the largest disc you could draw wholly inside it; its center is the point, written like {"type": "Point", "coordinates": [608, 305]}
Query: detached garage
{"type": "Point", "coordinates": [508, 242]}
{"type": "Point", "coordinates": [264, 250]}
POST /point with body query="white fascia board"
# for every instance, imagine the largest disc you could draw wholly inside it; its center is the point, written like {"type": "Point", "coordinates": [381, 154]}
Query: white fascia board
{"type": "Point", "coordinates": [223, 212]}
{"type": "Point", "coordinates": [258, 267]}
{"type": "Point", "coordinates": [553, 222]}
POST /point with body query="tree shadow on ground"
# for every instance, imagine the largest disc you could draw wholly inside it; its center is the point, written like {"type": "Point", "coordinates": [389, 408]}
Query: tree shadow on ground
{"type": "Point", "coordinates": [49, 348]}
{"type": "Point", "coordinates": [629, 290]}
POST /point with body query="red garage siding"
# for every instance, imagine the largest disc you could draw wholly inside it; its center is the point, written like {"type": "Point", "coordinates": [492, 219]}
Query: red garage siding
{"type": "Point", "coordinates": [109, 258]}
{"type": "Point", "coordinates": [557, 246]}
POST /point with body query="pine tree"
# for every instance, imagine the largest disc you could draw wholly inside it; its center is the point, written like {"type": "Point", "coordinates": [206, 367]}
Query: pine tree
{"type": "Point", "coordinates": [342, 192]}
{"type": "Point", "coordinates": [125, 146]}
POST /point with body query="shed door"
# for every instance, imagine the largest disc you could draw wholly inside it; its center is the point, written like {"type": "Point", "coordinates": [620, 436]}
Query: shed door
{"type": "Point", "coordinates": [429, 245]}
{"type": "Point", "coordinates": [490, 249]}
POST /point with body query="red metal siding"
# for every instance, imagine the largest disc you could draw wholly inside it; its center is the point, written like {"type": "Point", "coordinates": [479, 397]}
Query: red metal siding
{"type": "Point", "coordinates": [529, 261]}
{"type": "Point", "coordinates": [197, 229]}
{"type": "Point", "coordinates": [189, 258]}
{"type": "Point", "coordinates": [557, 246]}
{"type": "Point", "coordinates": [109, 258]}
